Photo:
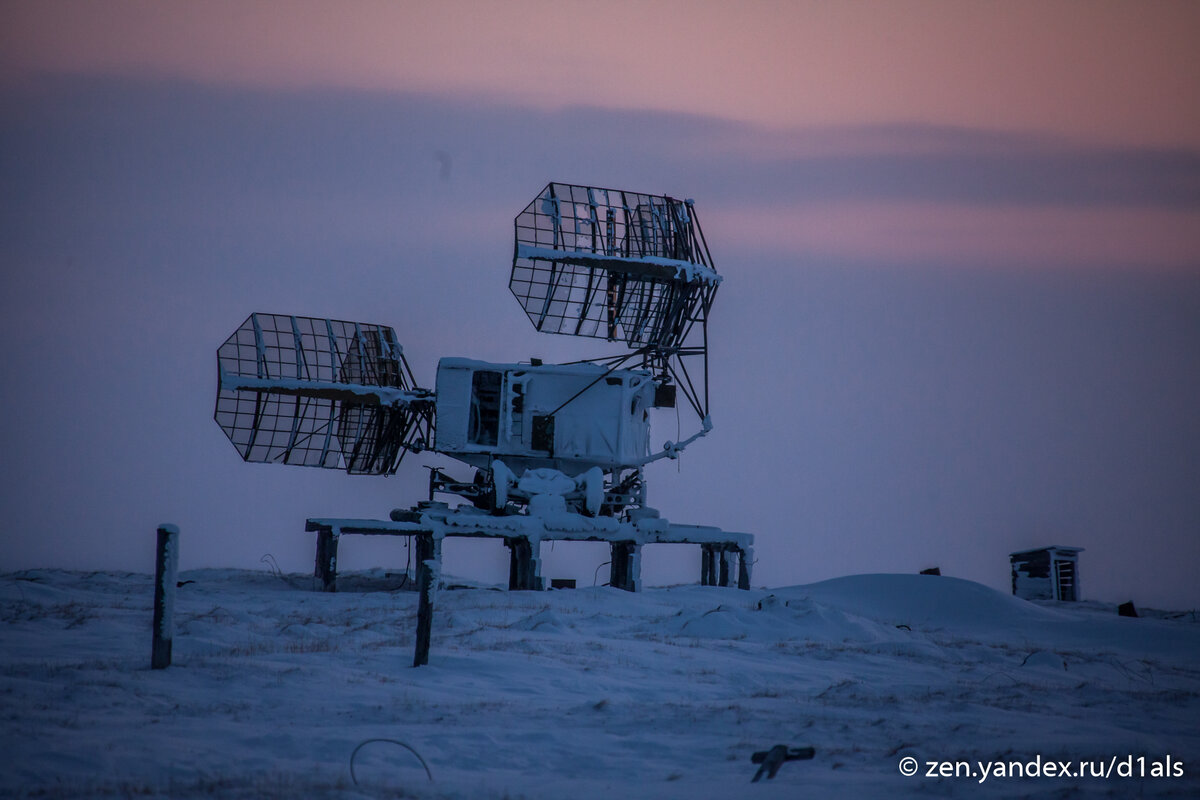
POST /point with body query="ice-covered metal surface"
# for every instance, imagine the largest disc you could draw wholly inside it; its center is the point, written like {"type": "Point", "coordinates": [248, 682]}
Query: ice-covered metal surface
{"type": "Point", "coordinates": [469, 522]}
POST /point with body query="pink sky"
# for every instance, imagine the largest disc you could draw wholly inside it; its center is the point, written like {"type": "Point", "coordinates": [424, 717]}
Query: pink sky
{"type": "Point", "coordinates": [1123, 71]}
{"type": "Point", "coordinates": [1092, 73]}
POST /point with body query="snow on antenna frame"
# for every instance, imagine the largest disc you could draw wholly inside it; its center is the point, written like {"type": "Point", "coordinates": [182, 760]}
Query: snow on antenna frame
{"type": "Point", "coordinates": [622, 266]}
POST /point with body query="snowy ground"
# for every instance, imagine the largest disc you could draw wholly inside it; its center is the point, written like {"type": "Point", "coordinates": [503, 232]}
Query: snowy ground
{"type": "Point", "coordinates": [589, 693]}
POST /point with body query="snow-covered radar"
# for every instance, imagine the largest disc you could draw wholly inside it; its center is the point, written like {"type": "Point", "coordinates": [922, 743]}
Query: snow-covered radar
{"type": "Point", "coordinates": [555, 451]}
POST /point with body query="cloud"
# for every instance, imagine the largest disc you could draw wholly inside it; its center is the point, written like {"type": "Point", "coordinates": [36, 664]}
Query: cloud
{"type": "Point", "coordinates": [1024, 171]}
{"type": "Point", "coordinates": [361, 162]}
{"type": "Point", "coordinates": [1120, 72]}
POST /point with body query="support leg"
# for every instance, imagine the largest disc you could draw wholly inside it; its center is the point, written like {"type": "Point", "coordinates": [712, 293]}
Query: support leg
{"type": "Point", "coordinates": [724, 557]}
{"type": "Point", "coordinates": [524, 565]}
{"type": "Point", "coordinates": [514, 564]}
{"type": "Point", "coordinates": [616, 569]}
{"type": "Point", "coordinates": [533, 572]}
{"type": "Point", "coordinates": [743, 569]}
{"type": "Point", "coordinates": [326, 571]}
{"type": "Point", "coordinates": [707, 565]}
{"type": "Point", "coordinates": [626, 569]}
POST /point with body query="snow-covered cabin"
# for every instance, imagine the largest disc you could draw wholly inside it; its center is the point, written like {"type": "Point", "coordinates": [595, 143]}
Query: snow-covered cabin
{"type": "Point", "coordinates": [569, 417]}
{"type": "Point", "coordinates": [1048, 573]}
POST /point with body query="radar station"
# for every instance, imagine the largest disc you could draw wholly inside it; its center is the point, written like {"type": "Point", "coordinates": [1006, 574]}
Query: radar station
{"type": "Point", "coordinates": [546, 451]}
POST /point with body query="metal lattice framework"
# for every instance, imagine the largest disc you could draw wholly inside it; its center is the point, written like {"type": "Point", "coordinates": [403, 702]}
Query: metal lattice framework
{"type": "Point", "coordinates": [621, 266]}
{"type": "Point", "coordinates": [320, 393]}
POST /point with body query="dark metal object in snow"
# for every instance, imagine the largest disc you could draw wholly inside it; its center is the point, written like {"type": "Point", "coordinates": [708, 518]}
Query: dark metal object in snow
{"type": "Point", "coordinates": [773, 759]}
{"type": "Point", "coordinates": [166, 565]}
{"type": "Point", "coordinates": [1127, 610]}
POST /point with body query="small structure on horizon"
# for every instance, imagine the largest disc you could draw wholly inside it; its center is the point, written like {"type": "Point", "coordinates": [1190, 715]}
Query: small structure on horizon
{"type": "Point", "coordinates": [1047, 573]}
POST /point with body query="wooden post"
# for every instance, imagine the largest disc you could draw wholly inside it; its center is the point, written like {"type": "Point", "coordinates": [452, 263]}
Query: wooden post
{"type": "Point", "coordinates": [327, 546]}
{"type": "Point", "coordinates": [743, 569]}
{"type": "Point", "coordinates": [429, 568]}
{"type": "Point", "coordinates": [165, 568]}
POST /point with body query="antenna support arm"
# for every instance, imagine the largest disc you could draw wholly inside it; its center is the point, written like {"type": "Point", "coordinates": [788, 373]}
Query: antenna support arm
{"type": "Point", "coordinates": [328, 390]}
{"type": "Point", "coordinates": [672, 450]}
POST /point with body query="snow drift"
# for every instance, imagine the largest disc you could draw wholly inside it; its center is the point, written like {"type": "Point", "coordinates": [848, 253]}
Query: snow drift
{"type": "Point", "coordinates": [587, 693]}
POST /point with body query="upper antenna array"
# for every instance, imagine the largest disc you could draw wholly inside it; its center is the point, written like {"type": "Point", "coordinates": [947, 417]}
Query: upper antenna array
{"type": "Point", "coordinates": [622, 266]}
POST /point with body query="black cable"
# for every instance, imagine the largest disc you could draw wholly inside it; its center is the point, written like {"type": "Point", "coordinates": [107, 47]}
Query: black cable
{"type": "Point", "coordinates": [409, 748]}
{"type": "Point", "coordinates": [407, 561]}
{"type": "Point", "coordinates": [610, 370]}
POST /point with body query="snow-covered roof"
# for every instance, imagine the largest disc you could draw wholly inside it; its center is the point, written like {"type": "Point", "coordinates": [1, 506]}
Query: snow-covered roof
{"type": "Point", "coordinates": [1054, 548]}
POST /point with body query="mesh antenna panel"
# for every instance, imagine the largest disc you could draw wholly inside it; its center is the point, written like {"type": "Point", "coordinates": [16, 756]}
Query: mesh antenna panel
{"type": "Point", "coordinates": [320, 393]}
{"type": "Point", "coordinates": [613, 265]}
{"type": "Point", "coordinates": [622, 266]}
